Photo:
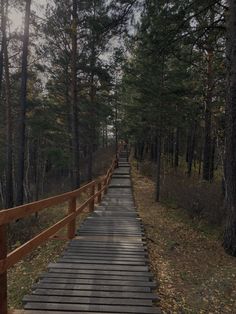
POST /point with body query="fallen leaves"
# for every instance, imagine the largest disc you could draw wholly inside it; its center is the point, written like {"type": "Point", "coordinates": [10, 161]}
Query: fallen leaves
{"type": "Point", "coordinates": [194, 273]}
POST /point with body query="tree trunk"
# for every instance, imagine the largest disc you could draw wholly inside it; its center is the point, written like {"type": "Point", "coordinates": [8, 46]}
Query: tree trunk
{"type": "Point", "coordinates": [74, 118]}
{"type": "Point", "coordinates": [3, 29]}
{"type": "Point", "coordinates": [158, 173]}
{"type": "Point", "coordinates": [9, 154]}
{"type": "Point", "coordinates": [177, 148]}
{"type": "Point", "coordinates": [23, 100]}
{"type": "Point", "coordinates": [191, 149]}
{"type": "Point", "coordinates": [229, 242]}
{"type": "Point", "coordinates": [208, 120]}
{"type": "Point", "coordinates": [212, 166]}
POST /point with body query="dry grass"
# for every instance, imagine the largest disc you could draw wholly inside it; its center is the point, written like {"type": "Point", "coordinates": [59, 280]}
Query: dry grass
{"type": "Point", "coordinates": [194, 273]}
{"type": "Point", "coordinates": [201, 200]}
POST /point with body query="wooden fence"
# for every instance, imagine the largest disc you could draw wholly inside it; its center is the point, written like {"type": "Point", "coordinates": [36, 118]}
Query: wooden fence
{"type": "Point", "coordinates": [96, 190]}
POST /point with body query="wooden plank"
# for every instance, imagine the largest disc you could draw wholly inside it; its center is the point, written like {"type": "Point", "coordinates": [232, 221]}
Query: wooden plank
{"type": "Point", "coordinates": [110, 234]}
{"type": "Point", "coordinates": [107, 253]}
{"type": "Point", "coordinates": [101, 267]}
{"type": "Point", "coordinates": [102, 257]}
{"type": "Point", "coordinates": [3, 275]}
{"type": "Point", "coordinates": [107, 249]}
{"type": "Point", "coordinates": [111, 228]}
{"type": "Point", "coordinates": [100, 262]}
{"type": "Point", "coordinates": [97, 308]}
{"type": "Point", "coordinates": [57, 312]}
{"type": "Point", "coordinates": [85, 300]}
{"type": "Point", "coordinates": [115, 238]}
{"type": "Point", "coordinates": [101, 272]}
{"type": "Point", "coordinates": [72, 225]}
{"type": "Point", "coordinates": [97, 243]}
{"type": "Point", "coordinates": [70, 286]}
{"type": "Point", "coordinates": [92, 193]}
{"type": "Point", "coordinates": [104, 251]}
{"type": "Point", "coordinates": [106, 282]}
{"type": "Point", "coordinates": [98, 294]}
{"type": "Point", "coordinates": [75, 275]}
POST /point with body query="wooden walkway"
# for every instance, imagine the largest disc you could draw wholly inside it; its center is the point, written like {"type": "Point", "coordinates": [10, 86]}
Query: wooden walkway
{"type": "Point", "coordinates": [104, 269]}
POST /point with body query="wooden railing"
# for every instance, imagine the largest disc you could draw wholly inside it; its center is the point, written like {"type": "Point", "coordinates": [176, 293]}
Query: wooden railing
{"type": "Point", "coordinates": [96, 190]}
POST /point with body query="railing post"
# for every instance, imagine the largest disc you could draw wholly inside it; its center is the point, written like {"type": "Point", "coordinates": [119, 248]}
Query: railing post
{"type": "Point", "coordinates": [3, 276]}
{"type": "Point", "coordinates": [106, 183]}
{"type": "Point", "coordinates": [72, 224]}
{"type": "Point", "coordinates": [100, 194]}
{"type": "Point", "coordinates": [91, 205]}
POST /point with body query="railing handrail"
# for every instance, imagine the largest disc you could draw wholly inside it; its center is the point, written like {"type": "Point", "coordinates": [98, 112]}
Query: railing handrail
{"type": "Point", "coordinates": [19, 212]}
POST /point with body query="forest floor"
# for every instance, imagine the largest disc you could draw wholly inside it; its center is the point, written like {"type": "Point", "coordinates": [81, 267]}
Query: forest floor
{"type": "Point", "coordinates": [193, 272]}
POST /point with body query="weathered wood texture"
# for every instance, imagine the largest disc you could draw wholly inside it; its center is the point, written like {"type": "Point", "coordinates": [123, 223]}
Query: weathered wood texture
{"type": "Point", "coordinates": [105, 268]}
{"type": "Point", "coordinates": [12, 214]}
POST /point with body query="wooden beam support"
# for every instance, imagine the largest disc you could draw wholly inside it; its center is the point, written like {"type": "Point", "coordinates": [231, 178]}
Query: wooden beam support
{"type": "Point", "coordinates": [92, 193]}
{"type": "Point", "coordinates": [72, 225]}
{"type": "Point", "coordinates": [3, 275]}
{"type": "Point", "coordinates": [99, 199]}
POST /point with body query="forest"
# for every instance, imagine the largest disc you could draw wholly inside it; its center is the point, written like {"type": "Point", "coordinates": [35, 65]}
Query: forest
{"type": "Point", "coordinates": [79, 77]}
{"type": "Point", "coordinates": [76, 77]}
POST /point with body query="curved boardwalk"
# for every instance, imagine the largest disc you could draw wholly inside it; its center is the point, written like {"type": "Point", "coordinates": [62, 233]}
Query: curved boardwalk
{"type": "Point", "coordinates": [105, 269]}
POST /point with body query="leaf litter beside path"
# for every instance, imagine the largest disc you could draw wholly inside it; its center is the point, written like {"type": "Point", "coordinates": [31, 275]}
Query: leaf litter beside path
{"type": "Point", "coordinates": [193, 272]}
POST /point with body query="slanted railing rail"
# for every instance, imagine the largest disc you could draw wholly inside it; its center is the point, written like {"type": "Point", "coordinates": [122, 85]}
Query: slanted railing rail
{"type": "Point", "coordinates": [96, 188]}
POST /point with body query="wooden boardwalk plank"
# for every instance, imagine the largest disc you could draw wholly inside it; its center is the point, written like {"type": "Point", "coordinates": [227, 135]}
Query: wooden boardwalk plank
{"type": "Point", "coordinates": [71, 286]}
{"type": "Point", "coordinates": [78, 260]}
{"type": "Point", "coordinates": [98, 294]}
{"type": "Point", "coordinates": [99, 282]}
{"type": "Point", "coordinates": [90, 276]}
{"type": "Point", "coordinates": [104, 269]}
{"type": "Point", "coordinates": [91, 307]}
{"type": "Point", "coordinates": [85, 300]}
{"type": "Point", "coordinates": [100, 267]}
{"type": "Point", "coordinates": [100, 272]}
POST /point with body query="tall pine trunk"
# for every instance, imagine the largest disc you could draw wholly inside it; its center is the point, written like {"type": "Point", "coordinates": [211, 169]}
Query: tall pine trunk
{"type": "Point", "coordinates": [3, 31]}
{"type": "Point", "coordinates": [23, 105]}
{"type": "Point", "coordinates": [208, 120]}
{"type": "Point", "coordinates": [191, 148]}
{"type": "Point", "coordinates": [9, 154]}
{"type": "Point", "coordinates": [74, 113]}
{"type": "Point", "coordinates": [229, 242]}
{"type": "Point", "coordinates": [158, 171]}
{"type": "Point", "coordinates": [177, 148]}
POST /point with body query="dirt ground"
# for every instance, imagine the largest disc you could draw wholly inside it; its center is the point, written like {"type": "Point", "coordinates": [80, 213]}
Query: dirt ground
{"type": "Point", "coordinates": [193, 273]}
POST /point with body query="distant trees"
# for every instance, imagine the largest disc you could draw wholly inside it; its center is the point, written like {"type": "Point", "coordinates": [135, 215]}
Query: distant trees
{"type": "Point", "coordinates": [20, 172]}
{"type": "Point", "coordinates": [56, 93]}
{"type": "Point", "coordinates": [230, 155]}
{"type": "Point", "coordinates": [174, 79]}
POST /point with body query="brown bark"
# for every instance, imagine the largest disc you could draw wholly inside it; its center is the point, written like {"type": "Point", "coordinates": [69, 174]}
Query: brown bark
{"type": "Point", "coordinates": [75, 122]}
{"type": "Point", "coordinates": [177, 148]}
{"type": "Point", "coordinates": [191, 149]}
{"type": "Point", "coordinates": [92, 95]}
{"type": "Point", "coordinates": [3, 30]}
{"type": "Point", "coordinates": [158, 172]}
{"type": "Point", "coordinates": [9, 150]}
{"type": "Point", "coordinates": [229, 242]}
{"type": "Point", "coordinates": [208, 119]}
{"type": "Point", "coordinates": [23, 100]}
